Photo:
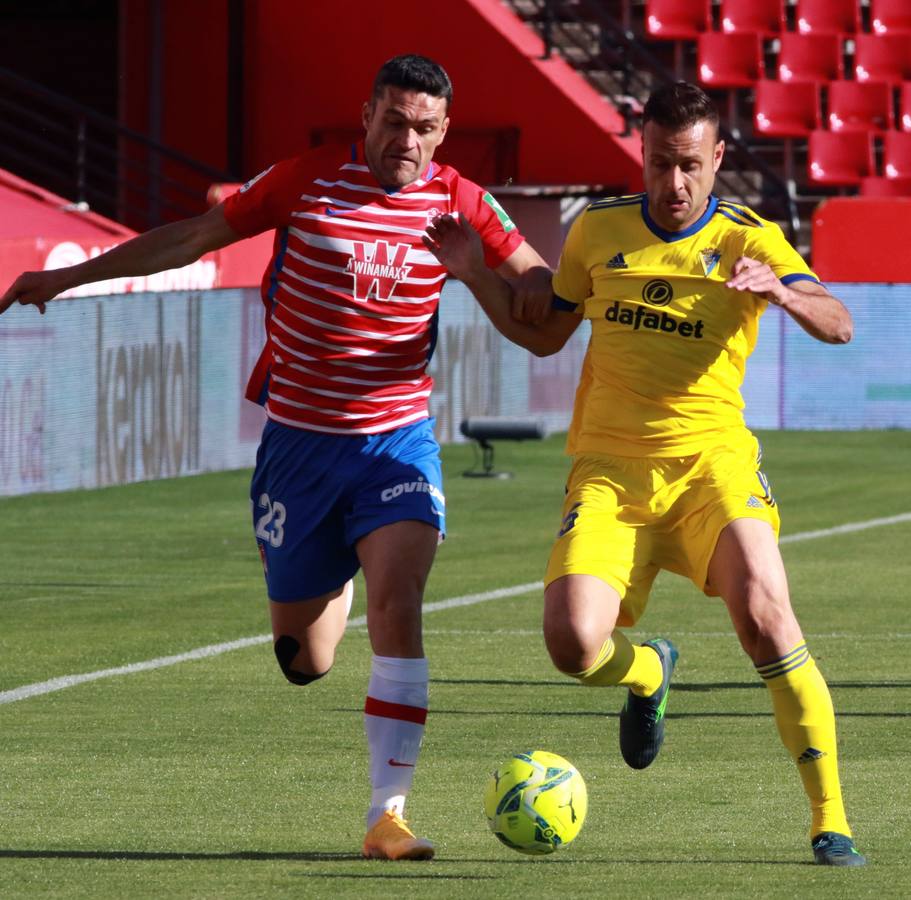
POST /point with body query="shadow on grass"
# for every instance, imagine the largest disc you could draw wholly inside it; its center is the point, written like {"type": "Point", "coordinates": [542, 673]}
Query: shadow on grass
{"type": "Point", "coordinates": [685, 687]}
{"type": "Point", "coordinates": [608, 714]}
{"type": "Point", "coordinates": [165, 855]}
{"type": "Point", "coordinates": [416, 872]}
{"type": "Point", "coordinates": [504, 682]}
{"type": "Point", "coordinates": [433, 876]}
{"type": "Point", "coordinates": [706, 686]}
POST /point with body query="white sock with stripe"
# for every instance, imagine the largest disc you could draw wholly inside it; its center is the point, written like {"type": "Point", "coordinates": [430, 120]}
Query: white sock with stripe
{"type": "Point", "coordinates": [394, 716]}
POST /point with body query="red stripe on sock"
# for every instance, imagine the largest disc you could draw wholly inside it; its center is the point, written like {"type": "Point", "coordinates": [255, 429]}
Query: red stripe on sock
{"type": "Point", "coordinates": [374, 707]}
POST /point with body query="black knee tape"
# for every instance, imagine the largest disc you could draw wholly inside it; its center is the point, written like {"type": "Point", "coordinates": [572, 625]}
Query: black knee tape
{"type": "Point", "coordinates": [286, 648]}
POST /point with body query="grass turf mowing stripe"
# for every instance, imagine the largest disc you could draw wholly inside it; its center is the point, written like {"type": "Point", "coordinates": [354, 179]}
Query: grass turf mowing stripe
{"type": "Point", "coordinates": [66, 681]}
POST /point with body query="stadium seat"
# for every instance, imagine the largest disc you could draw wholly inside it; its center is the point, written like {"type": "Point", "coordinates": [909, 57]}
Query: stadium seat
{"type": "Point", "coordinates": [904, 106]}
{"type": "Point", "coordinates": [890, 16]}
{"type": "Point", "coordinates": [840, 159]}
{"type": "Point", "coordinates": [763, 17]}
{"type": "Point", "coordinates": [828, 16]}
{"type": "Point", "coordinates": [860, 106]}
{"type": "Point", "coordinates": [882, 57]}
{"type": "Point", "coordinates": [677, 19]}
{"type": "Point", "coordinates": [897, 154]}
{"type": "Point", "coordinates": [730, 60]}
{"type": "Point", "coordinates": [879, 186]}
{"type": "Point", "coordinates": [786, 110]}
{"type": "Point", "coordinates": [810, 57]}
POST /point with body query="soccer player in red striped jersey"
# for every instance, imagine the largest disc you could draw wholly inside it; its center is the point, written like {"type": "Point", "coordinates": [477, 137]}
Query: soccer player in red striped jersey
{"type": "Point", "coordinates": [347, 473]}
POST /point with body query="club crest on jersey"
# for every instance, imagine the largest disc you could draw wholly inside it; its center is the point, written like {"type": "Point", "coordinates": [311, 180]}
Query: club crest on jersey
{"type": "Point", "coordinates": [710, 258]}
{"type": "Point", "coordinates": [382, 268]}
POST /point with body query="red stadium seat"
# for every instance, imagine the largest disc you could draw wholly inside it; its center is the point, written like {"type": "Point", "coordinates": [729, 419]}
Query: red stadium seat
{"type": "Point", "coordinates": [730, 60]}
{"type": "Point", "coordinates": [786, 110]}
{"type": "Point", "coordinates": [885, 57]}
{"type": "Point", "coordinates": [810, 57]}
{"type": "Point", "coordinates": [904, 106]}
{"type": "Point", "coordinates": [890, 16]}
{"type": "Point", "coordinates": [765, 17]}
{"type": "Point", "coordinates": [860, 106]}
{"type": "Point", "coordinates": [840, 159]}
{"type": "Point", "coordinates": [878, 186]}
{"type": "Point", "coordinates": [897, 154]}
{"type": "Point", "coordinates": [677, 19]}
{"type": "Point", "coordinates": [828, 16]}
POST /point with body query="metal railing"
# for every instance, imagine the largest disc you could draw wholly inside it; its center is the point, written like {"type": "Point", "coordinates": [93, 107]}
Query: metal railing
{"type": "Point", "coordinates": [597, 44]}
{"type": "Point", "coordinates": [93, 160]}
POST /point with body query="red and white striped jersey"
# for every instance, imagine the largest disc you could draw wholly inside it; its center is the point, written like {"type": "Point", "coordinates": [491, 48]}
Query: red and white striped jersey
{"type": "Point", "coordinates": [351, 293]}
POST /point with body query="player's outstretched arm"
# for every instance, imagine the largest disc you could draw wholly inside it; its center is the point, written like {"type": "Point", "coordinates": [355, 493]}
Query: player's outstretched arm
{"type": "Point", "coordinates": [808, 303]}
{"type": "Point", "coordinates": [458, 246]}
{"type": "Point", "coordinates": [168, 247]}
{"type": "Point", "coordinates": [531, 280]}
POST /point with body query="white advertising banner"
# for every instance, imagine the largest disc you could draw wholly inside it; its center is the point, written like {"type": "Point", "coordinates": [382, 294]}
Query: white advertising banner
{"type": "Point", "coordinates": [115, 389]}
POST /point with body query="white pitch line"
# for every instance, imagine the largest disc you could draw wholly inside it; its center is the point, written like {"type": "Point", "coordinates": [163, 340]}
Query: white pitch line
{"type": "Point", "coordinates": [845, 529]}
{"type": "Point", "coordinates": [66, 681]}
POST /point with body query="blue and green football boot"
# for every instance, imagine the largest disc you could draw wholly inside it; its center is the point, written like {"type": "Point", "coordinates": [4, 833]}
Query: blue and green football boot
{"type": "Point", "coordinates": [642, 718]}
{"type": "Point", "coordinates": [833, 849]}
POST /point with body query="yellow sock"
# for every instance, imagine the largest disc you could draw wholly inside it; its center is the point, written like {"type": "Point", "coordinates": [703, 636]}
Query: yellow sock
{"type": "Point", "coordinates": [806, 723]}
{"type": "Point", "coordinates": [620, 662]}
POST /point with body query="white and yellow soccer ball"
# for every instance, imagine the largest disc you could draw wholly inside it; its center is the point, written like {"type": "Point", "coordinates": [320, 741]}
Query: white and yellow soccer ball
{"type": "Point", "coordinates": [536, 802]}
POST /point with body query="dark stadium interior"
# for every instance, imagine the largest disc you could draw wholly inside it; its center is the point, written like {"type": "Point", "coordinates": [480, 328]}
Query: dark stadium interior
{"type": "Point", "coordinates": [136, 107]}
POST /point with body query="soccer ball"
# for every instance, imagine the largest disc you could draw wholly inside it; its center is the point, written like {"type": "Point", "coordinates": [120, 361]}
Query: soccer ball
{"type": "Point", "coordinates": [536, 802]}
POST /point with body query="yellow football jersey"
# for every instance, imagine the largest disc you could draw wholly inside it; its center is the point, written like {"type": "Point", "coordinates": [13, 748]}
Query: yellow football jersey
{"type": "Point", "coordinates": [669, 341]}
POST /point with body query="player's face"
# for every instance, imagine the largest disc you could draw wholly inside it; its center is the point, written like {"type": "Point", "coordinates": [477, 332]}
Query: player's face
{"type": "Point", "coordinates": [678, 168]}
{"type": "Point", "coordinates": [403, 130]}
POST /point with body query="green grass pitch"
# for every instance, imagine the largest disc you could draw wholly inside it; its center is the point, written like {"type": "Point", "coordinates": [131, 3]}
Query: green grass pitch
{"type": "Point", "coordinates": [215, 779]}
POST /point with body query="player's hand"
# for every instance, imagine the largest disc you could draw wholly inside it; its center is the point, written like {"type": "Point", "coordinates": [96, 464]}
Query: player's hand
{"type": "Point", "coordinates": [33, 288]}
{"type": "Point", "coordinates": [756, 277]}
{"type": "Point", "coordinates": [456, 245]}
{"type": "Point", "coordinates": [533, 294]}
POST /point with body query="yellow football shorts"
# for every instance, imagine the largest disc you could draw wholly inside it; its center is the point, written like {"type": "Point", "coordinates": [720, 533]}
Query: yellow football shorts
{"type": "Point", "coordinates": [626, 518]}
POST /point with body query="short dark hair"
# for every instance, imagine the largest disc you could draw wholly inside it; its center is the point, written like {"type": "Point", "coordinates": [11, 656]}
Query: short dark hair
{"type": "Point", "coordinates": [413, 73]}
{"type": "Point", "coordinates": [679, 105]}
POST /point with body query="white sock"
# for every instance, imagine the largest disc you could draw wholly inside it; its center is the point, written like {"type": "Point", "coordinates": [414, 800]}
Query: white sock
{"type": "Point", "coordinates": [394, 716]}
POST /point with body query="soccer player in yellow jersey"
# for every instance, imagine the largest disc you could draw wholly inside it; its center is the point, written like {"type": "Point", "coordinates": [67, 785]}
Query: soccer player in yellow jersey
{"type": "Point", "coordinates": [665, 473]}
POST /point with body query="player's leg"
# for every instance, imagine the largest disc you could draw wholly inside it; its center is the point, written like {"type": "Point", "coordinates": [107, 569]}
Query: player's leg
{"type": "Point", "coordinates": [746, 569]}
{"type": "Point", "coordinates": [580, 615]}
{"type": "Point", "coordinates": [396, 560]}
{"type": "Point", "coordinates": [599, 573]}
{"type": "Point", "coordinates": [395, 524]}
{"type": "Point", "coordinates": [298, 519]}
{"type": "Point", "coordinates": [306, 632]}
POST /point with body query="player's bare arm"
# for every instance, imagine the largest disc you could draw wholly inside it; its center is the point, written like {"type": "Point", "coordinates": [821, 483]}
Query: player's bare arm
{"type": "Point", "coordinates": [808, 303]}
{"type": "Point", "coordinates": [168, 247]}
{"type": "Point", "coordinates": [458, 246]}
{"type": "Point", "coordinates": [531, 280]}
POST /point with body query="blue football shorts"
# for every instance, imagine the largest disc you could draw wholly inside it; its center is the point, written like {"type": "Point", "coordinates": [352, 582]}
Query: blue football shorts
{"type": "Point", "coordinates": [315, 495]}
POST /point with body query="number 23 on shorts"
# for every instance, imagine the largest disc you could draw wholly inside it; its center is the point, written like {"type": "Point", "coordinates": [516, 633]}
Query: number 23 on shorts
{"type": "Point", "coordinates": [270, 525]}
